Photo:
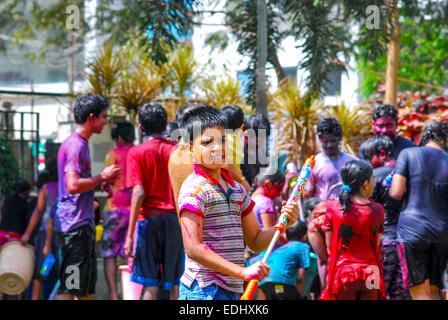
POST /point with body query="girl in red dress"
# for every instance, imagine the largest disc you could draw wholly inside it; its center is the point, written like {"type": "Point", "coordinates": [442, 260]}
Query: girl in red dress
{"type": "Point", "coordinates": [353, 226]}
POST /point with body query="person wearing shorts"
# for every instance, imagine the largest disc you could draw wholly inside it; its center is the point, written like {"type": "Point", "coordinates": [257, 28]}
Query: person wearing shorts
{"type": "Point", "coordinates": [158, 255]}
{"type": "Point", "coordinates": [74, 219]}
{"type": "Point", "coordinates": [116, 211]}
{"type": "Point", "coordinates": [423, 223]}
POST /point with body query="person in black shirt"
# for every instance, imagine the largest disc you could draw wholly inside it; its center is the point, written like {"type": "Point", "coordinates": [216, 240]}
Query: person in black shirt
{"type": "Point", "coordinates": [14, 213]}
{"type": "Point", "coordinates": [421, 178]}
{"type": "Point", "coordinates": [385, 118]}
{"type": "Point", "coordinates": [379, 151]}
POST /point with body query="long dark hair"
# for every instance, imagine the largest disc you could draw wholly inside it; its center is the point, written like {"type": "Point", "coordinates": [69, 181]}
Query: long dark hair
{"type": "Point", "coordinates": [354, 173]}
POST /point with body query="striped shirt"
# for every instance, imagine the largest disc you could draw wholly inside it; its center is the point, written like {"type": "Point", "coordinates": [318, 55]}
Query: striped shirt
{"type": "Point", "coordinates": [222, 227]}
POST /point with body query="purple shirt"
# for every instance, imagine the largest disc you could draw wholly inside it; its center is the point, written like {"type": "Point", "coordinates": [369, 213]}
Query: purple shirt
{"type": "Point", "coordinates": [263, 205]}
{"type": "Point", "coordinates": [325, 179]}
{"type": "Point", "coordinates": [75, 210]}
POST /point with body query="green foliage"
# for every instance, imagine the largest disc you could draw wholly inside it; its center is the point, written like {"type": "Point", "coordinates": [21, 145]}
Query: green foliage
{"type": "Point", "coordinates": [242, 18]}
{"type": "Point", "coordinates": [165, 22]}
{"type": "Point", "coordinates": [9, 168]}
{"type": "Point", "coordinates": [423, 58]}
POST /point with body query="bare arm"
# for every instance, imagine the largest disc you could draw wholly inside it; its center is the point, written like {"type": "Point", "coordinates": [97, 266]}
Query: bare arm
{"type": "Point", "coordinates": [36, 216]}
{"type": "Point", "coordinates": [318, 244]}
{"type": "Point", "coordinates": [398, 187]}
{"type": "Point", "coordinates": [138, 194]}
{"type": "Point", "coordinates": [328, 239]}
{"type": "Point", "coordinates": [76, 184]}
{"type": "Point", "coordinates": [50, 228]}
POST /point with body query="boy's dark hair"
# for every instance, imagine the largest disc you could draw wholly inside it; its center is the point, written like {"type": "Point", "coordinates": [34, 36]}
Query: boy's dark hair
{"type": "Point", "coordinates": [234, 114]}
{"type": "Point", "coordinates": [354, 173]}
{"type": "Point", "coordinates": [258, 122]}
{"type": "Point", "coordinates": [180, 112]}
{"type": "Point", "coordinates": [296, 231]}
{"type": "Point", "coordinates": [385, 110]}
{"type": "Point", "coordinates": [21, 186]}
{"type": "Point", "coordinates": [89, 103]}
{"type": "Point", "coordinates": [436, 131]}
{"type": "Point", "coordinates": [153, 118]}
{"type": "Point", "coordinates": [200, 118]}
{"type": "Point", "coordinates": [329, 126]}
{"type": "Point", "coordinates": [374, 145]}
{"type": "Point", "coordinates": [170, 127]}
{"type": "Point", "coordinates": [125, 130]}
{"type": "Point", "coordinates": [309, 205]}
{"type": "Point", "coordinates": [276, 177]}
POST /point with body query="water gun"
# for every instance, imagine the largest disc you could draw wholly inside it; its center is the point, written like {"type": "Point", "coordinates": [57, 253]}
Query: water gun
{"type": "Point", "coordinates": [280, 227]}
{"type": "Point", "coordinates": [47, 265]}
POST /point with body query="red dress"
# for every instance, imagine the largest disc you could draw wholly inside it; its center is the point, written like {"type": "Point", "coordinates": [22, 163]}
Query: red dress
{"type": "Point", "coordinates": [355, 252]}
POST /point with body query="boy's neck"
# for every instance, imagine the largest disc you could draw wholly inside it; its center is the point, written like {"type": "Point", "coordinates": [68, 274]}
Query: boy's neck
{"type": "Point", "coordinates": [84, 131]}
{"type": "Point", "coordinates": [216, 174]}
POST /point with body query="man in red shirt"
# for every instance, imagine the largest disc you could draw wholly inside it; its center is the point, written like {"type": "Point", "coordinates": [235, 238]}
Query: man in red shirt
{"type": "Point", "coordinates": [158, 244]}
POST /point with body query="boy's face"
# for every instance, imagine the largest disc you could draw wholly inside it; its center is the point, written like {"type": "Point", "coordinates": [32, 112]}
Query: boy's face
{"type": "Point", "coordinates": [385, 126]}
{"type": "Point", "coordinates": [209, 148]}
{"type": "Point", "coordinates": [99, 122]}
{"type": "Point", "coordinates": [330, 144]}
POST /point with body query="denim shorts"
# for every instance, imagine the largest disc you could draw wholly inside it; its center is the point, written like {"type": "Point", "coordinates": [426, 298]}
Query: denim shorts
{"type": "Point", "coordinates": [159, 254]}
{"type": "Point", "coordinates": [211, 292]}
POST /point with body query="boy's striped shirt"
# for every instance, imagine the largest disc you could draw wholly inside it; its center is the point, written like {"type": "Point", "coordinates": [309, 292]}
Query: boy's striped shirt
{"type": "Point", "coordinates": [222, 227]}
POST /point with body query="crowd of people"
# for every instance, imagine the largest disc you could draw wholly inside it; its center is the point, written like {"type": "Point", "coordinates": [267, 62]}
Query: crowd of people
{"type": "Point", "coordinates": [193, 208]}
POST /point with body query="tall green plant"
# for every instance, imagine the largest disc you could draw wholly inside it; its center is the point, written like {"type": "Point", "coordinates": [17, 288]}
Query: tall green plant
{"type": "Point", "coordinates": [9, 168]}
{"type": "Point", "coordinates": [296, 116]}
{"type": "Point", "coordinates": [184, 70]}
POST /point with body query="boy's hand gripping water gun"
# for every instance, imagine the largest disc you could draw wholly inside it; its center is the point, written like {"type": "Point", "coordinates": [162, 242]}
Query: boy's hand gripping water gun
{"type": "Point", "coordinates": [280, 227]}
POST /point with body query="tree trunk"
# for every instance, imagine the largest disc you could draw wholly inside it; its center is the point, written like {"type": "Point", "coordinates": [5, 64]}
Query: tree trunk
{"type": "Point", "coordinates": [71, 70]}
{"type": "Point", "coordinates": [273, 58]}
{"type": "Point", "coordinates": [261, 99]}
{"type": "Point", "coordinates": [393, 56]}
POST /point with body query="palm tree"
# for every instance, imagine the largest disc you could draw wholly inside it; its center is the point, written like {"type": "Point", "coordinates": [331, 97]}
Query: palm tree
{"type": "Point", "coordinates": [296, 116]}
{"type": "Point", "coordinates": [222, 92]}
{"type": "Point", "coordinates": [183, 67]}
{"type": "Point", "coordinates": [103, 70]}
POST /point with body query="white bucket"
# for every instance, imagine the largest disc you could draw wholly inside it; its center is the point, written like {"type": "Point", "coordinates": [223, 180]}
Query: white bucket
{"type": "Point", "coordinates": [16, 267]}
{"type": "Point", "coordinates": [131, 290]}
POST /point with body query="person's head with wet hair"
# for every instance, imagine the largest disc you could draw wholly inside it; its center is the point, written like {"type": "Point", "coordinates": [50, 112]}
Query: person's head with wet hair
{"type": "Point", "coordinates": [357, 177]}
{"type": "Point", "coordinates": [22, 188]}
{"type": "Point", "coordinates": [204, 130]}
{"type": "Point", "coordinates": [435, 131]}
{"type": "Point", "coordinates": [235, 116]}
{"type": "Point", "coordinates": [257, 122]}
{"type": "Point", "coordinates": [180, 112]}
{"type": "Point", "coordinates": [297, 231]}
{"type": "Point", "coordinates": [329, 132]}
{"type": "Point", "coordinates": [385, 119]}
{"type": "Point", "coordinates": [309, 205]}
{"type": "Point", "coordinates": [271, 180]}
{"type": "Point", "coordinates": [123, 133]}
{"type": "Point", "coordinates": [152, 118]}
{"type": "Point", "coordinates": [200, 118]}
{"type": "Point", "coordinates": [170, 127]}
{"type": "Point", "coordinates": [377, 150]}
{"type": "Point", "coordinates": [89, 104]}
